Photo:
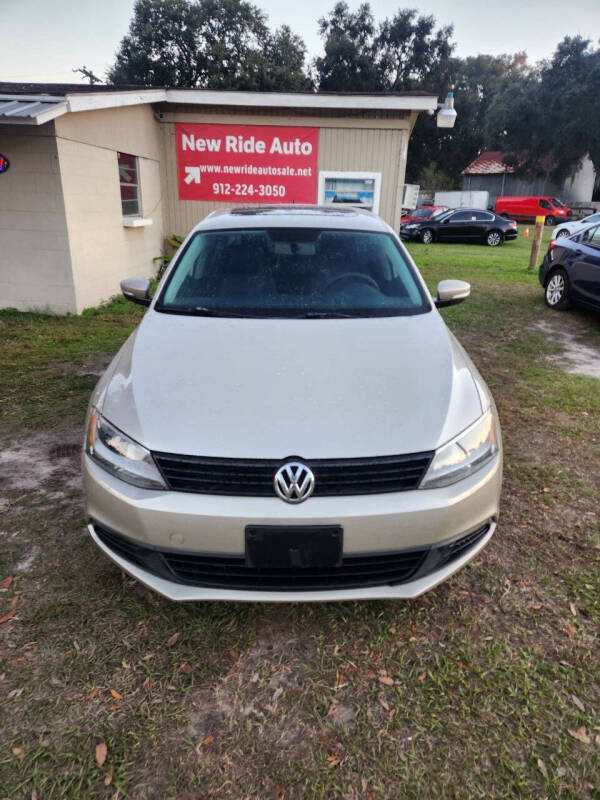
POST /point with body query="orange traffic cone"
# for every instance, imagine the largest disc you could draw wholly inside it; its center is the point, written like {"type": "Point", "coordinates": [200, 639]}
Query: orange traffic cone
{"type": "Point", "coordinates": [526, 234]}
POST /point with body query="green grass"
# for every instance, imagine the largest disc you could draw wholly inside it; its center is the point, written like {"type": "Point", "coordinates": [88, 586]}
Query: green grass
{"type": "Point", "coordinates": [286, 701]}
{"type": "Point", "coordinates": [508, 263]}
{"type": "Point", "coordinates": [49, 363]}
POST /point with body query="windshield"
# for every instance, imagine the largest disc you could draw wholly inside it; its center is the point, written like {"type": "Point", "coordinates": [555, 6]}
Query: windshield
{"type": "Point", "coordinates": [421, 212]}
{"type": "Point", "coordinates": [293, 272]}
{"type": "Point", "coordinates": [556, 202]}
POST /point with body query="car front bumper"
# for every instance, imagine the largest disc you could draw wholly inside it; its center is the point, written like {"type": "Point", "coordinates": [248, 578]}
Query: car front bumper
{"type": "Point", "coordinates": [411, 235]}
{"type": "Point", "coordinates": [177, 522]}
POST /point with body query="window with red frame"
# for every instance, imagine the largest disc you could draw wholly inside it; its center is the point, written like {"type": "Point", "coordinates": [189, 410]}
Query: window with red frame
{"type": "Point", "coordinates": [130, 184]}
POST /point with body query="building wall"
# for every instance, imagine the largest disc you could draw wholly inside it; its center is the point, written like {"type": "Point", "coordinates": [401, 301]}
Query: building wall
{"type": "Point", "coordinates": [35, 259]}
{"type": "Point", "coordinates": [103, 250]}
{"type": "Point", "coordinates": [577, 189]}
{"type": "Point", "coordinates": [63, 244]}
{"type": "Point", "coordinates": [366, 141]}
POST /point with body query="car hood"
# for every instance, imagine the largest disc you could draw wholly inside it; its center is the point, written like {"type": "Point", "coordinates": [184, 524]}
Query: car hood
{"type": "Point", "coordinates": [272, 388]}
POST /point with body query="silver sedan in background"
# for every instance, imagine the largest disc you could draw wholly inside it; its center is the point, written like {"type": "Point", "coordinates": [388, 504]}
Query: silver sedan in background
{"type": "Point", "coordinates": [574, 226]}
{"type": "Point", "coordinates": [292, 419]}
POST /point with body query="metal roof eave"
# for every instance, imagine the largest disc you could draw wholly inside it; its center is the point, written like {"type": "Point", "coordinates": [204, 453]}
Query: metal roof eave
{"type": "Point", "coordinates": [30, 109]}
{"type": "Point", "coordinates": [93, 102]}
{"type": "Point", "coordinates": [366, 102]}
{"type": "Point", "coordinates": [38, 109]}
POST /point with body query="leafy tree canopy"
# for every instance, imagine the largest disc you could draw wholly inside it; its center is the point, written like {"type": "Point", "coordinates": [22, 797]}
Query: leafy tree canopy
{"type": "Point", "coordinates": [216, 44]}
{"type": "Point", "coordinates": [397, 54]}
{"type": "Point", "coordinates": [476, 82]}
{"type": "Point", "coordinates": [551, 120]}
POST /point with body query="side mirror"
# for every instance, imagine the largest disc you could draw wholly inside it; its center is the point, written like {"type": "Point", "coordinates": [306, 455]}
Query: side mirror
{"type": "Point", "coordinates": [137, 290]}
{"type": "Point", "coordinates": [450, 292]}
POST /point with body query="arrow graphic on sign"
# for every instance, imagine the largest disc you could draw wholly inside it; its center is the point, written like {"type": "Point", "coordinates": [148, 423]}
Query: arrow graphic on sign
{"type": "Point", "coordinates": [192, 175]}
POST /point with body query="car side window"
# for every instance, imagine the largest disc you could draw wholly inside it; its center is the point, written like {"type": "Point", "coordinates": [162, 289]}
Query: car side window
{"type": "Point", "coordinates": [586, 236]}
{"type": "Point", "coordinates": [461, 216]}
{"type": "Point", "coordinates": [483, 216]}
{"type": "Point", "coordinates": [594, 238]}
{"type": "Point", "coordinates": [546, 205]}
{"type": "Point", "coordinates": [593, 218]}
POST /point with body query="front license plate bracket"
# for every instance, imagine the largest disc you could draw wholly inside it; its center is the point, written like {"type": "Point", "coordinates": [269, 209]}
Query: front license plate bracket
{"type": "Point", "coordinates": [294, 546]}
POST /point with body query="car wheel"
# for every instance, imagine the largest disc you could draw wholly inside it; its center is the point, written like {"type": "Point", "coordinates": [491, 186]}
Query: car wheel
{"type": "Point", "coordinates": [493, 239]}
{"type": "Point", "coordinates": [427, 236]}
{"type": "Point", "coordinates": [562, 233]}
{"type": "Point", "coordinates": [557, 290]}
{"type": "Point", "coordinates": [549, 220]}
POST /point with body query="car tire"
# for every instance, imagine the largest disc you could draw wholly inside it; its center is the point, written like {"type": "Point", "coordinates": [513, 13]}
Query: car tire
{"type": "Point", "coordinates": [562, 233]}
{"type": "Point", "coordinates": [426, 236]}
{"type": "Point", "coordinates": [557, 289]}
{"type": "Point", "coordinates": [494, 238]}
{"type": "Point", "coordinates": [549, 221]}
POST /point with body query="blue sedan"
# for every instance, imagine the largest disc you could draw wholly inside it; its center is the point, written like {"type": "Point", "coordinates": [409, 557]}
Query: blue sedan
{"type": "Point", "coordinates": [570, 271]}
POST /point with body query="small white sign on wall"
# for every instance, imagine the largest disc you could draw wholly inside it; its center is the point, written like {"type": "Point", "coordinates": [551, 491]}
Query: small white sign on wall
{"type": "Point", "coordinates": [410, 197]}
{"type": "Point", "coordinates": [357, 189]}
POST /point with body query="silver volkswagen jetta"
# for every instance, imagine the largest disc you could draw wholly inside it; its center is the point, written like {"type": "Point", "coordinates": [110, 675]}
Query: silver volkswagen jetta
{"type": "Point", "coordinates": [292, 419]}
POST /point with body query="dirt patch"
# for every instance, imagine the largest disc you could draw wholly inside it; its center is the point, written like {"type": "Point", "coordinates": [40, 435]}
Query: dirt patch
{"type": "Point", "coordinates": [578, 358]}
{"type": "Point", "coordinates": [44, 462]}
{"type": "Point", "coordinates": [257, 693]}
{"type": "Point", "coordinates": [94, 366]}
{"type": "Point", "coordinates": [25, 564]}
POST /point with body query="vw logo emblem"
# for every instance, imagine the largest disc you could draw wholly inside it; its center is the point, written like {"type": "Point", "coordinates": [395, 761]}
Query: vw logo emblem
{"type": "Point", "coordinates": [294, 482]}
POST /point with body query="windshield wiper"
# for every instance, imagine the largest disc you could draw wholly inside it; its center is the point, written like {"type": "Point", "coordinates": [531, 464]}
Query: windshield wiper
{"type": "Point", "coordinates": [198, 311]}
{"type": "Point", "coordinates": [204, 311]}
{"type": "Point", "coordinates": [325, 315]}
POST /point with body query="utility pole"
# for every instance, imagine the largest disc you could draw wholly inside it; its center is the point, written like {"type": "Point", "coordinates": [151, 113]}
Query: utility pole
{"type": "Point", "coordinates": [87, 73]}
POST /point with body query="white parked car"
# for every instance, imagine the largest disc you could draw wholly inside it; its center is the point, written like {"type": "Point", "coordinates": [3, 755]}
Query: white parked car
{"type": "Point", "coordinates": [292, 419]}
{"type": "Point", "coordinates": [575, 226]}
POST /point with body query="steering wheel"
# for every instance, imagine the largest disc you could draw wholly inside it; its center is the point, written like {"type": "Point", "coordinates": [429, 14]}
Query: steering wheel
{"type": "Point", "coordinates": [356, 276]}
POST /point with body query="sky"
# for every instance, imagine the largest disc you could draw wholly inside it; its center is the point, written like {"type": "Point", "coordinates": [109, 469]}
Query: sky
{"type": "Point", "coordinates": [44, 40]}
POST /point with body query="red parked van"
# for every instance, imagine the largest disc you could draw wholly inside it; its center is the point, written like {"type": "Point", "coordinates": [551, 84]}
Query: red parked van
{"type": "Point", "coordinates": [526, 209]}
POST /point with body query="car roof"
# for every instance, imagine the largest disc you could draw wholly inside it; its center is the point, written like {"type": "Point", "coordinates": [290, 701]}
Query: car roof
{"type": "Point", "coordinates": [463, 208]}
{"type": "Point", "coordinates": [294, 216]}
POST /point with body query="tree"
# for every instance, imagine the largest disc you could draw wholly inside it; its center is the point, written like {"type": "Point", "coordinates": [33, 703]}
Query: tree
{"type": "Point", "coordinates": [411, 54]}
{"type": "Point", "coordinates": [348, 63]}
{"type": "Point", "coordinates": [282, 65]}
{"type": "Point", "coordinates": [477, 82]}
{"type": "Point", "coordinates": [398, 54]}
{"type": "Point", "coordinates": [216, 44]}
{"type": "Point", "coordinates": [160, 48]}
{"type": "Point", "coordinates": [550, 122]}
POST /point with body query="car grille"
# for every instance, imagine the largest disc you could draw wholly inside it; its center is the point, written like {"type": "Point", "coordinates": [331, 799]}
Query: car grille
{"type": "Point", "coordinates": [231, 572]}
{"type": "Point", "coordinates": [254, 477]}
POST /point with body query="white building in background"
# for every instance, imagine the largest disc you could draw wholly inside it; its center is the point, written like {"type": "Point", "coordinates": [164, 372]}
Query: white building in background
{"type": "Point", "coordinates": [489, 173]}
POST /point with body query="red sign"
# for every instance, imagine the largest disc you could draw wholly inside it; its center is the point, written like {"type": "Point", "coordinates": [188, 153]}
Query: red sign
{"type": "Point", "coordinates": [247, 163]}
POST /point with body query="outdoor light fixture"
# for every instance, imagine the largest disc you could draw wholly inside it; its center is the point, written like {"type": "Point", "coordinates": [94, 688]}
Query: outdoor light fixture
{"type": "Point", "coordinates": [446, 116]}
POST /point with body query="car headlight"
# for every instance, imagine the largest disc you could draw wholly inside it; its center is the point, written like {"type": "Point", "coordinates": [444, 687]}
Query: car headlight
{"type": "Point", "coordinates": [120, 455]}
{"type": "Point", "coordinates": [411, 225]}
{"type": "Point", "coordinates": [464, 455]}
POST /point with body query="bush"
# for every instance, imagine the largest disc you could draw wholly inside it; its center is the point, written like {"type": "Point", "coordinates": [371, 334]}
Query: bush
{"type": "Point", "coordinates": [173, 242]}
